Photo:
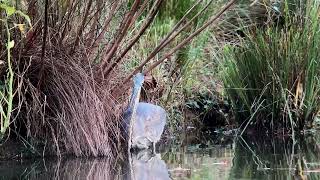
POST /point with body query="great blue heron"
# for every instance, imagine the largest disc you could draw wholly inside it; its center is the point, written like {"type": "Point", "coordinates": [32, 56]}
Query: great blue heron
{"type": "Point", "coordinates": [144, 122]}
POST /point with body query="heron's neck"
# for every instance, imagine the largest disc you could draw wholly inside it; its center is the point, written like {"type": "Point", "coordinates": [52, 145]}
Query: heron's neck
{"type": "Point", "coordinates": [135, 97]}
{"type": "Point", "coordinates": [133, 106]}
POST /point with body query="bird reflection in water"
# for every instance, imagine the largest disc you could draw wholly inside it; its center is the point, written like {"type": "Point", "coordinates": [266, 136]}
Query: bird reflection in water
{"type": "Point", "coordinates": [145, 165]}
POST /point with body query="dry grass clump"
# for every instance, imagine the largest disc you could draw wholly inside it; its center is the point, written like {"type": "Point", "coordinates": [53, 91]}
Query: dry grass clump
{"type": "Point", "coordinates": [78, 111]}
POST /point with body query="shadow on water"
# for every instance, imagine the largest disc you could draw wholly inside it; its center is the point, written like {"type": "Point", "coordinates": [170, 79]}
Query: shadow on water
{"type": "Point", "coordinates": [253, 157]}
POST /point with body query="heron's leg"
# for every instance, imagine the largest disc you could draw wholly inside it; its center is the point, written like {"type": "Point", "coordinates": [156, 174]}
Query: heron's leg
{"type": "Point", "coordinates": [154, 147]}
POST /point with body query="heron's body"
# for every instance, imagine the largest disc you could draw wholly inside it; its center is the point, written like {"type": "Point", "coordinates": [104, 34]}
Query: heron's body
{"type": "Point", "coordinates": [144, 121]}
{"type": "Point", "coordinates": [150, 122]}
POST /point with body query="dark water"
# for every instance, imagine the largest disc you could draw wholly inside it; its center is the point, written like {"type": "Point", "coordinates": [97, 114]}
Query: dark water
{"type": "Point", "coordinates": [252, 157]}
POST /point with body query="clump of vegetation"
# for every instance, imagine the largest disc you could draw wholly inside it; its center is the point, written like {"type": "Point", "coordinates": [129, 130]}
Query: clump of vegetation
{"type": "Point", "coordinates": [70, 88]}
{"type": "Point", "coordinates": [272, 75]}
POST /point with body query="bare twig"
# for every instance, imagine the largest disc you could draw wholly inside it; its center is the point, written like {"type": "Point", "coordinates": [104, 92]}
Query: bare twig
{"type": "Point", "coordinates": [138, 14]}
{"type": "Point", "coordinates": [97, 14]}
{"type": "Point", "coordinates": [188, 39]}
{"type": "Point", "coordinates": [67, 20]}
{"type": "Point", "coordinates": [105, 27]}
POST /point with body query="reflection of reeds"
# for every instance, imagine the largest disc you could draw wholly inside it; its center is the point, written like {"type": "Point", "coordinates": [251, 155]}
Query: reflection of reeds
{"type": "Point", "coordinates": [275, 158]}
{"type": "Point", "coordinates": [192, 162]}
{"type": "Point", "coordinates": [90, 169]}
{"type": "Point", "coordinates": [85, 169]}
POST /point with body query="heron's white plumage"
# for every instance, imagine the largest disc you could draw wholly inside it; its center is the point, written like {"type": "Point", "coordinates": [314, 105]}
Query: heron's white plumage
{"type": "Point", "coordinates": [149, 125]}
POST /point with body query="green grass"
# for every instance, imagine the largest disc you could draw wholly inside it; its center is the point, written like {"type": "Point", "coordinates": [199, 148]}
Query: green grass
{"type": "Point", "coordinates": [273, 74]}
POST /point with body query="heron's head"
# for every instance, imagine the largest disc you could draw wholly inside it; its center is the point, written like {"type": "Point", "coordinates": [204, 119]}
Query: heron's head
{"type": "Point", "coordinates": [138, 79]}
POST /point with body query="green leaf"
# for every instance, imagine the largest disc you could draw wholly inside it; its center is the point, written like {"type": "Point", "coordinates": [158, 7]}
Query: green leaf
{"type": "Point", "coordinates": [11, 44]}
{"type": "Point", "coordinates": [9, 9]}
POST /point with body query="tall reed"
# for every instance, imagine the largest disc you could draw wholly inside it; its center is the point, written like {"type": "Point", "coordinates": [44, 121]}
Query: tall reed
{"type": "Point", "coordinates": [272, 76]}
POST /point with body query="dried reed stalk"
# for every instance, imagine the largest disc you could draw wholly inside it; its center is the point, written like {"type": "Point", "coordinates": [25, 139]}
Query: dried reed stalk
{"type": "Point", "coordinates": [146, 24]}
{"type": "Point", "coordinates": [169, 38]}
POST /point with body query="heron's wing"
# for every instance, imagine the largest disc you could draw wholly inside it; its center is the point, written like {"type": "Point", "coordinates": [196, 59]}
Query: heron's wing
{"type": "Point", "coordinates": [152, 119]}
{"type": "Point", "coordinates": [154, 124]}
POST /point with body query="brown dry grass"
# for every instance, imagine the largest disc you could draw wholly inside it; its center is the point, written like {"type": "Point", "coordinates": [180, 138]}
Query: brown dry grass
{"type": "Point", "coordinates": [71, 108]}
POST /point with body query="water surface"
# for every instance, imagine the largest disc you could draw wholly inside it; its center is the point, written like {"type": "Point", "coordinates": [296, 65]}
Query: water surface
{"type": "Point", "coordinates": [251, 157]}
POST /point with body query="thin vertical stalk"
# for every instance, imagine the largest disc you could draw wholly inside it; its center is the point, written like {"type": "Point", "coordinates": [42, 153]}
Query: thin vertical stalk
{"type": "Point", "coordinates": [44, 38]}
{"type": "Point", "coordinates": [5, 121]}
{"type": "Point", "coordinates": [81, 28]}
